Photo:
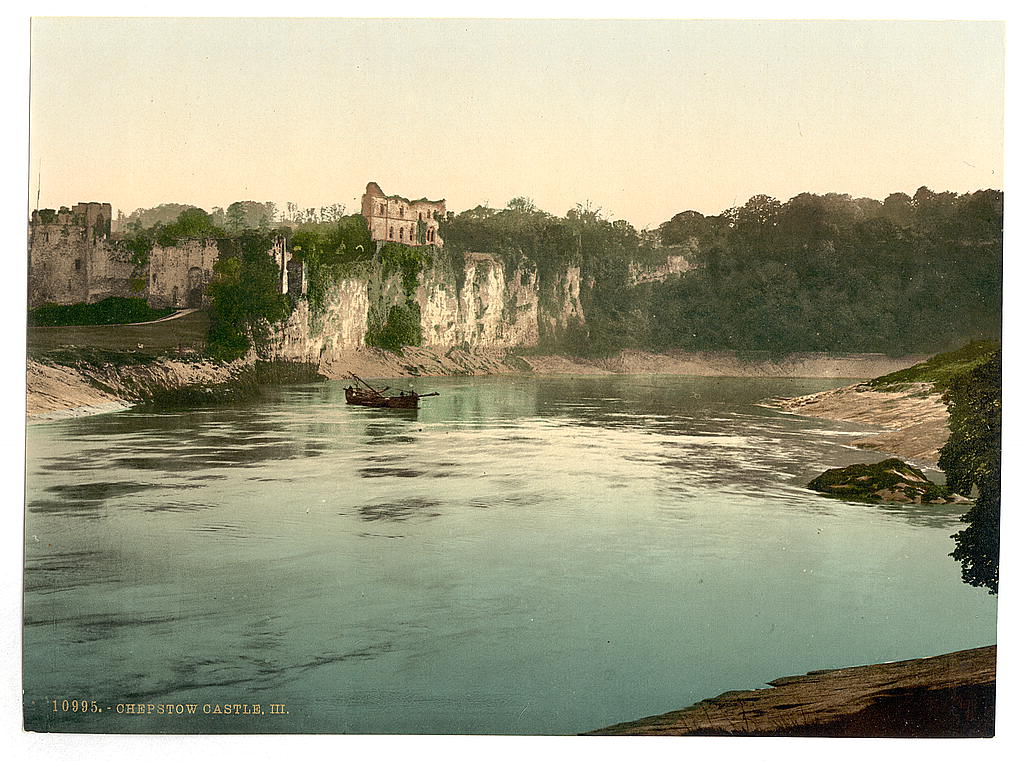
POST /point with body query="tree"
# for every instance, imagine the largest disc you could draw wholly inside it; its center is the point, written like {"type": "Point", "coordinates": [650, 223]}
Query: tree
{"type": "Point", "coordinates": [245, 297]}
{"type": "Point", "coordinates": [521, 204]}
{"type": "Point", "coordinates": [234, 219]}
{"type": "Point", "coordinates": [971, 460]}
{"type": "Point", "coordinates": [682, 227]}
{"type": "Point", "coordinates": [899, 209]}
{"type": "Point", "coordinates": [756, 220]}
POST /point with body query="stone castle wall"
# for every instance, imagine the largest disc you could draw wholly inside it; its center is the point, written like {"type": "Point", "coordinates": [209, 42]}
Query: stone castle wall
{"type": "Point", "coordinates": [397, 219]}
{"type": "Point", "coordinates": [73, 260]}
{"type": "Point", "coordinates": [68, 257]}
{"type": "Point", "coordinates": [179, 274]}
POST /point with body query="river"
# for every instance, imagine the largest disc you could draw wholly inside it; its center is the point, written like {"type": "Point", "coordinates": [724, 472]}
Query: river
{"type": "Point", "coordinates": [519, 556]}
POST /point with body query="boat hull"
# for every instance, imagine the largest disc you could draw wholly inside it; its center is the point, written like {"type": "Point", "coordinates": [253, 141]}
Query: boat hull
{"type": "Point", "coordinates": [365, 398]}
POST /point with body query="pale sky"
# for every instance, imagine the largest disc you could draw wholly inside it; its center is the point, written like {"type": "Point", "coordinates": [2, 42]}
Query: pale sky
{"type": "Point", "coordinates": [642, 118]}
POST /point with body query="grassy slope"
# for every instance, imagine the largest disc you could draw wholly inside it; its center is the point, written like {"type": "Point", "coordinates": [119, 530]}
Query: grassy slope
{"type": "Point", "coordinates": [940, 369]}
{"type": "Point", "coordinates": [188, 332]}
{"type": "Point", "coordinates": [110, 311]}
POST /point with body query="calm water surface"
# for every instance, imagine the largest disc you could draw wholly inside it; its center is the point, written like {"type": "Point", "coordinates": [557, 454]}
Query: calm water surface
{"type": "Point", "coordinates": [518, 556]}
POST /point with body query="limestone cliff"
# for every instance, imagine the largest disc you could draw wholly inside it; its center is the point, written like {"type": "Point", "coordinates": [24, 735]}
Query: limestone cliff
{"type": "Point", "coordinates": [487, 305]}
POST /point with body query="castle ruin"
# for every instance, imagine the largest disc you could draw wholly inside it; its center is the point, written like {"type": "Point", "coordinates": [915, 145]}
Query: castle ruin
{"type": "Point", "coordinates": [72, 259]}
{"type": "Point", "coordinates": [398, 220]}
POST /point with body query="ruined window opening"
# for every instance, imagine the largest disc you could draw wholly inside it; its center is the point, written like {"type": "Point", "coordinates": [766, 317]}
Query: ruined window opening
{"type": "Point", "coordinates": [78, 264]}
{"type": "Point", "coordinates": [382, 212]}
{"type": "Point", "coordinates": [401, 211]}
{"type": "Point", "coordinates": [401, 233]}
{"type": "Point", "coordinates": [391, 232]}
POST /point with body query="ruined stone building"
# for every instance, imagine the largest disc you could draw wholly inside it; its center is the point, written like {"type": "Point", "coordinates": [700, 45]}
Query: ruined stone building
{"type": "Point", "coordinates": [70, 259]}
{"type": "Point", "coordinates": [73, 259]}
{"type": "Point", "coordinates": [397, 219]}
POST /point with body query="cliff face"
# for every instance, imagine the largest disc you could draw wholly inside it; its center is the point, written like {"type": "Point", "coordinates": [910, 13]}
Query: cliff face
{"type": "Point", "coordinates": [486, 306]}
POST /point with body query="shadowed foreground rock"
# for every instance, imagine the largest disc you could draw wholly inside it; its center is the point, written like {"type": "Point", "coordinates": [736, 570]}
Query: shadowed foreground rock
{"type": "Point", "coordinates": [890, 480]}
{"type": "Point", "coordinates": [950, 695]}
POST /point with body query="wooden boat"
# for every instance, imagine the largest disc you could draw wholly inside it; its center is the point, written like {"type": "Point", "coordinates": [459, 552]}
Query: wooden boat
{"type": "Point", "coordinates": [368, 396]}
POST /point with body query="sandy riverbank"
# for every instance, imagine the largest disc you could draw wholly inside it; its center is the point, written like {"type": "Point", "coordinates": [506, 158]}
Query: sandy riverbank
{"type": "Point", "coordinates": [951, 695]}
{"type": "Point", "coordinates": [430, 360]}
{"type": "Point", "coordinates": [58, 390]}
{"type": "Point", "coordinates": [915, 413]}
{"type": "Point", "coordinates": [725, 364]}
{"type": "Point", "coordinates": [55, 391]}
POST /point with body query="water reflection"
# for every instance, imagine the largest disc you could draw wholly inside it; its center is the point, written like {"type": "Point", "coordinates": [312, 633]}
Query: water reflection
{"type": "Point", "coordinates": [400, 510]}
{"type": "Point", "coordinates": [436, 570]}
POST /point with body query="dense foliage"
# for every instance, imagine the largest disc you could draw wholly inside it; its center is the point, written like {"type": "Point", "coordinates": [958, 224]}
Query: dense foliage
{"type": "Point", "coordinates": [329, 249]}
{"type": "Point", "coordinates": [832, 273]}
{"type": "Point", "coordinates": [245, 296]}
{"type": "Point", "coordinates": [401, 327]}
{"type": "Point", "coordinates": [111, 311]}
{"type": "Point", "coordinates": [971, 460]}
{"type": "Point", "coordinates": [817, 273]}
{"type": "Point", "coordinates": [941, 369]}
{"type": "Point", "coordinates": [407, 262]}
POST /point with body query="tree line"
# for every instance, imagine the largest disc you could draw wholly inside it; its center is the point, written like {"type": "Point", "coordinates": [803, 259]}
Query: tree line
{"type": "Point", "coordinates": [235, 218]}
{"type": "Point", "coordinates": [826, 273]}
{"type": "Point", "coordinates": [818, 273]}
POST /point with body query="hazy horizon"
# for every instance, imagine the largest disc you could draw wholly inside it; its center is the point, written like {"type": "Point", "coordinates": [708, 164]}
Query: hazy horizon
{"type": "Point", "coordinates": [641, 118]}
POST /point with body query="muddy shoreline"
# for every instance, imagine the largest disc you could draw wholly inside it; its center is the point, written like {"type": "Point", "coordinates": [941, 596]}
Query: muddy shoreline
{"type": "Point", "coordinates": [62, 388]}
{"type": "Point", "coordinates": [914, 412]}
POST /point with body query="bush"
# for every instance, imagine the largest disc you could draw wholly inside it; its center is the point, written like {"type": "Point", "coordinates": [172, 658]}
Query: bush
{"type": "Point", "coordinates": [110, 311]}
{"type": "Point", "coordinates": [245, 296]}
{"type": "Point", "coordinates": [402, 328]}
{"type": "Point", "coordinates": [972, 460]}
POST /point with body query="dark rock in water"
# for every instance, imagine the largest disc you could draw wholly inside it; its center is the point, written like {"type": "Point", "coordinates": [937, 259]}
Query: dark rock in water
{"type": "Point", "coordinates": [890, 480]}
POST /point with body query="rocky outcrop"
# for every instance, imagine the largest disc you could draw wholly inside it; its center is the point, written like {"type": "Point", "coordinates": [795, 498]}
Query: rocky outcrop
{"type": "Point", "coordinates": [108, 381]}
{"type": "Point", "coordinates": [675, 264]}
{"type": "Point", "coordinates": [488, 307]}
{"type": "Point", "coordinates": [492, 308]}
{"type": "Point", "coordinates": [951, 695]}
{"type": "Point", "coordinates": [890, 480]}
{"type": "Point", "coordinates": [914, 411]}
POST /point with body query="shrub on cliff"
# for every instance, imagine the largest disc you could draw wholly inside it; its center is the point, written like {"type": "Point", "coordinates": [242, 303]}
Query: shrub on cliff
{"type": "Point", "coordinates": [401, 328]}
{"type": "Point", "coordinates": [328, 249]}
{"type": "Point", "coordinates": [245, 297]}
{"type": "Point", "coordinates": [972, 460]}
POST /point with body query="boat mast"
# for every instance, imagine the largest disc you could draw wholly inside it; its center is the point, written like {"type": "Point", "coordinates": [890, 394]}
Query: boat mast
{"type": "Point", "coordinates": [365, 383]}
